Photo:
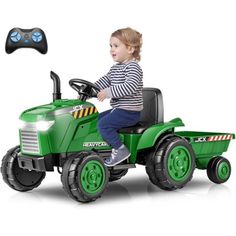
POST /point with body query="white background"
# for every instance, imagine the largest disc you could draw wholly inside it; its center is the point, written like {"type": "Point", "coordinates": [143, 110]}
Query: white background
{"type": "Point", "coordinates": [189, 52]}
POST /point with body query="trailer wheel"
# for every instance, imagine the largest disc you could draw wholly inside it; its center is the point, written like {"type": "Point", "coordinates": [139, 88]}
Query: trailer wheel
{"type": "Point", "coordinates": [172, 164]}
{"type": "Point", "coordinates": [17, 178]}
{"type": "Point", "coordinates": [218, 170]}
{"type": "Point", "coordinates": [84, 177]}
{"type": "Point", "coordinates": [117, 174]}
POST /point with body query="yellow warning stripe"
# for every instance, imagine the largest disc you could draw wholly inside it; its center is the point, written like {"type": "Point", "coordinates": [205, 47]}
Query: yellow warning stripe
{"type": "Point", "coordinates": [81, 113]}
{"type": "Point", "coordinates": [91, 110]}
{"type": "Point", "coordinates": [76, 114]}
{"type": "Point", "coordinates": [84, 112]}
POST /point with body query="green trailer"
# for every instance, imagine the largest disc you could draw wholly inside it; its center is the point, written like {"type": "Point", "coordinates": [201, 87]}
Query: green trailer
{"type": "Point", "coordinates": [63, 135]}
{"type": "Point", "coordinates": [208, 148]}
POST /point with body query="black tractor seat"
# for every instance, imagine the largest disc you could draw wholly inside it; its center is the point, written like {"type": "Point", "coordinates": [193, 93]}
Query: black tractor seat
{"type": "Point", "coordinates": [152, 113]}
{"type": "Point", "coordinates": [139, 128]}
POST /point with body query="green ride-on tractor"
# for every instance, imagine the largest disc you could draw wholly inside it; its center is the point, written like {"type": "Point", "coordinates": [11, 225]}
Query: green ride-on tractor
{"type": "Point", "coordinates": [64, 134]}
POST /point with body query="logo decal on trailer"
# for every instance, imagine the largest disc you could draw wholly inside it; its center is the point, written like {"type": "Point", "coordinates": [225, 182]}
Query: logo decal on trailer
{"type": "Point", "coordinates": [213, 138]}
{"type": "Point", "coordinates": [200, 139]}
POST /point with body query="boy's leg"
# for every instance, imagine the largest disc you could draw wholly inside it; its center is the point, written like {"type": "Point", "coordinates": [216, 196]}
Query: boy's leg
{"type": "Point", "coordinates": [113, 121]}
{"type": "Point", "coordinates": [104, 113]}
{"type": "Point", "coordinates": [110, 124]}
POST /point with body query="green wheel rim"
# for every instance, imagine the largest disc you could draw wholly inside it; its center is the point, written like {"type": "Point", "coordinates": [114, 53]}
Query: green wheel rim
{"type": "Point", "coordinates": [93, 177]}
{"type": "Point", "coordinates": [223, 170]}
{"type": "Point", "coordinates": [179, 163]}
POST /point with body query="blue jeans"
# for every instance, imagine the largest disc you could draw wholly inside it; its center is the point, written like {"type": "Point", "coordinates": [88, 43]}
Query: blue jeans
{"type": "Point", "coordinates": [110, 121]}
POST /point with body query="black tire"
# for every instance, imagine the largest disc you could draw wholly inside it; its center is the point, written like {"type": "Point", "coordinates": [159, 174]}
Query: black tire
{"type": "Point", "coordinates": [117, 174]}
{"type": "Point", "coordinates": [17, 178]}
{"type": "Point", "coordinates": [218, 170]}
{"type": "Point", "coordinates": [75, 176]}
{"type": "Point", "coordinates": [172, 164]}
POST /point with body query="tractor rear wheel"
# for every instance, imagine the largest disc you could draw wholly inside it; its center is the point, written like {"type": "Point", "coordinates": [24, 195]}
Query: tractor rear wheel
{"type": "Point", "coordinates": [84, 176]}
{"type": "Point", "coordinates": [17, 178]}
{"type": "Point", "coordinates": [171, 166]}
{"type": "Point", "coordinates": [218, 170]}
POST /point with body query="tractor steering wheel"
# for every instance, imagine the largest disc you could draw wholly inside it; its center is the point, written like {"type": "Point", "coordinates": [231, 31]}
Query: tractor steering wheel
{"type": "Point", "coordinates": [84, 88]}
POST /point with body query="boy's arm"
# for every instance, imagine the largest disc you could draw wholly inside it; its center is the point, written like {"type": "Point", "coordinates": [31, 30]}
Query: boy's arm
{"type": "Point", "coordinates": [132, 82]}
{"type": "Point", "coordinates": [104, 82]}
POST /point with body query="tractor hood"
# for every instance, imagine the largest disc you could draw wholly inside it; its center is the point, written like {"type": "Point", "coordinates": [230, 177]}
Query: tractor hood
{"type": "Point", "coordinates": [57, 108]}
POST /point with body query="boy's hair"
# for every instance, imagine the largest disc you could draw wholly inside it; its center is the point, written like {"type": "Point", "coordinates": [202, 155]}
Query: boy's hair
{"type": "Point", "coordinates": [130, 37]}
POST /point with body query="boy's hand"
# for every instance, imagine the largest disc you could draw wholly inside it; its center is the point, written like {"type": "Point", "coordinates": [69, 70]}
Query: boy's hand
{"type": "Point", "coordinates": [101, 95]}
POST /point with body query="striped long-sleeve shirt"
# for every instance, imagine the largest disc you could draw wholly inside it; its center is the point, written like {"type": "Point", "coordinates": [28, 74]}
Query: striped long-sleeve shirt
{"type": "Point", "coordinates": [123, 84]}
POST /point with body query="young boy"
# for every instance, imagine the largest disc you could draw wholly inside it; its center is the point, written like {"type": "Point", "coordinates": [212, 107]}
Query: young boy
{"type": "Point", "coordinates": [123, 84]}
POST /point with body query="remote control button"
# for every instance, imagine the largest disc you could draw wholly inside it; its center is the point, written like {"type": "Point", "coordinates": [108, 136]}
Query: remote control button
{"type": "Point", "coordinates": [37, 37]}
{"type": "Point", "coordinates": [26, 36]}
{"type": "Point", "coordinates": [15, 37]}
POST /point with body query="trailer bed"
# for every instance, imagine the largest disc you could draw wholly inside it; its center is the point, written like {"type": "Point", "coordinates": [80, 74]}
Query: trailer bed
{"type": "Point", "coordinates": [206, 145]}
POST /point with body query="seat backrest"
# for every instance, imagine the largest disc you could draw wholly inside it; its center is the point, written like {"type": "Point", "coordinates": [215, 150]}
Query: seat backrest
{"type": "Point", "coordinates": [153, 111]}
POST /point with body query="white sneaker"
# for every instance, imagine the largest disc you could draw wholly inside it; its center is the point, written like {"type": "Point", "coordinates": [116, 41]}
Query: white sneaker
{"type": "Point", "coordinates": [117, 156]}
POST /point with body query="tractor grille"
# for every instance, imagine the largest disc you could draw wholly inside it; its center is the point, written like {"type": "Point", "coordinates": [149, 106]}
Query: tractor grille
{"type": "Point", "coordinates": [29, 141]}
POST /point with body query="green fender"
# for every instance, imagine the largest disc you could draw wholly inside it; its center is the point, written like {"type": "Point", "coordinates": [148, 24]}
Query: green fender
{"type": "Point", "coordinates": [151, 134]}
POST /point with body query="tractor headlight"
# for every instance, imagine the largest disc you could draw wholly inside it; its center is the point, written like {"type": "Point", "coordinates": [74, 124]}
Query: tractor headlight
{"type": "Point", "coordinates": [42, 125]}
{"type": "Point", "coordinates": [21, 124]}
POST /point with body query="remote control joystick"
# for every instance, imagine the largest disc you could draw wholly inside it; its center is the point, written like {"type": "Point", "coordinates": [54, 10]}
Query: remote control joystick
{"type": "Point", "coordinates": [15, 37]}
{"type": "Point", "coordinates": [26, 38]}
{"type": "Point", "coordinates": [37, 37]}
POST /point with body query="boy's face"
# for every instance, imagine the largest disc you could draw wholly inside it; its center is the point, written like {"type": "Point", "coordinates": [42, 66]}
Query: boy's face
{"type": "Point", "coordinates": [119, 51]}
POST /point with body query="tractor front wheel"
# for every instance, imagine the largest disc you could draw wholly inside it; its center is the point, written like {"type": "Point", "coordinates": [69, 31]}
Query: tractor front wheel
{"type": "Point", "coordinates": [17, 178]}
{"type": "Point", "coordinates": [84, 177]}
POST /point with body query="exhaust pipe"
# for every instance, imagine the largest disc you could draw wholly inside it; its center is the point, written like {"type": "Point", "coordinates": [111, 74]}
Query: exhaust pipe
{"type": "Point", "coordinates": [56, 86]}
